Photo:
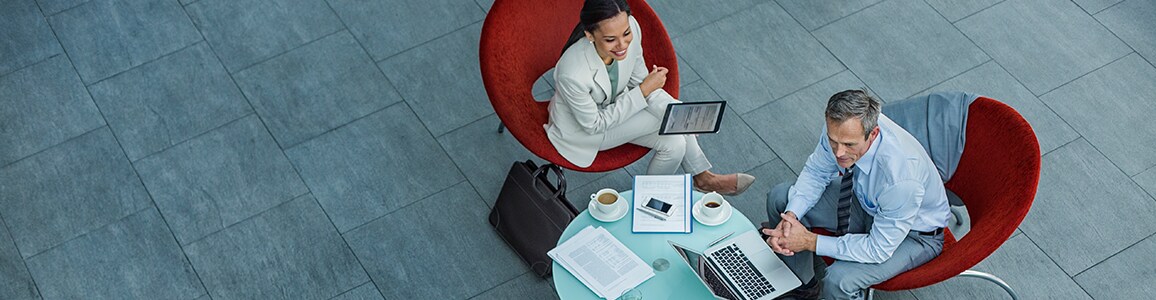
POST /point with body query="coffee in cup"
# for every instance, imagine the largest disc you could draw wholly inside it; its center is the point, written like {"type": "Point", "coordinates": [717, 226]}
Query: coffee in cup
{"type": "Point", "coordinates": [605, 200]}
{"type": "Point", "coordinates": [713, 205]}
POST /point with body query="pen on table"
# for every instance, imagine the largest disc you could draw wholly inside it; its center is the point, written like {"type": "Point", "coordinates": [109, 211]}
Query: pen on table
{"type": "Point", "coordinates": [656, 216]}
{"type": "Point", "coordinates": [720, 239]}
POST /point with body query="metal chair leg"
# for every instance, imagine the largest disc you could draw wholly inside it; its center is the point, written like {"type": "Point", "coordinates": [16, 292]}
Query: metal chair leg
{"type": "Point", "coordinates": [969, 273]}
{"type": "Point", "coordinates": [501, 127]}
{"type": "Point", "coordinates": [992, 278]}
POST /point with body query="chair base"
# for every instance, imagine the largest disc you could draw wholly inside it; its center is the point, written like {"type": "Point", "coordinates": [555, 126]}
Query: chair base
{"type": "Point", "coordinates": [970, 273]}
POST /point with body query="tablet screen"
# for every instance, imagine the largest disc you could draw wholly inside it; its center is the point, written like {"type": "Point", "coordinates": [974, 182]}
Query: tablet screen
{"type": "Point", "coordinates": [692, 117]}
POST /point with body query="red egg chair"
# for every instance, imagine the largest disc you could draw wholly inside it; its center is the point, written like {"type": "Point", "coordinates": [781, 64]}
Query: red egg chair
{"type": "Point", "coordinates": [996, 178]}
{"type": "Point", "coordinates": [522, 39]}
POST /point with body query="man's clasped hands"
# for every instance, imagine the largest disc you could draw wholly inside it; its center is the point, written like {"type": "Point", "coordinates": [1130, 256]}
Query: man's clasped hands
{"type": "Point", "coordinates": [790, 236]}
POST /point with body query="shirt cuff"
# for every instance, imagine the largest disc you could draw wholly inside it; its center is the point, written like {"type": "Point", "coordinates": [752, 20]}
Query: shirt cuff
{"type": "Point", "coordinates": [826, 245]}
{"type": "Point", "coordinates": [798, 208]}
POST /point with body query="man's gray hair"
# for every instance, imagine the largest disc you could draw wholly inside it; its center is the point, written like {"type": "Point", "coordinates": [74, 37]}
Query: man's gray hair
{"type": "Point", "coordinates": [852, 104]}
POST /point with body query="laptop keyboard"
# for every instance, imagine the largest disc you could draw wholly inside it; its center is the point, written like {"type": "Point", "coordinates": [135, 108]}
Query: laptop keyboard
{"type": "Point", "coordinates": [746, 276]}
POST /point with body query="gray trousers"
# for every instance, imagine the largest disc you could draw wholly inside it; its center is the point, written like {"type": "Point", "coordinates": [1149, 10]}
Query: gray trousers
{"type": "Point", "coordinates": [846, 279]}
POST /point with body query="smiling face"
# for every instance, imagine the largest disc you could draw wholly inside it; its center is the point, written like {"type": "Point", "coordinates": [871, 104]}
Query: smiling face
{"type": "Point", "coordinates": [848, 141]}
{"type": "Point", "coordinates": [612, 37]}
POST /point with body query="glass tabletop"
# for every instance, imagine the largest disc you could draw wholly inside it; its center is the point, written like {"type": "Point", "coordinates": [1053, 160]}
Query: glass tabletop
{"type": "Point", "coordinates": [676, 279]}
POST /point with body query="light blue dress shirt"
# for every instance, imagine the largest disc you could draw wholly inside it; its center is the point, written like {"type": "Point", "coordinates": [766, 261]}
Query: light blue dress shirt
{"type": "Point", "coordinates": [895, 182]}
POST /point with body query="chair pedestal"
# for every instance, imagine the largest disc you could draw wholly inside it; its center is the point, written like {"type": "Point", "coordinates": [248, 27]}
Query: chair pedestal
{"type": "Point", "coordinates": [976, 274]}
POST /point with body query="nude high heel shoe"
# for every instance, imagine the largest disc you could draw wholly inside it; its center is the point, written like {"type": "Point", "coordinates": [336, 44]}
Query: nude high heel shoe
{"type": "Point", "coordinates": [745, 181]}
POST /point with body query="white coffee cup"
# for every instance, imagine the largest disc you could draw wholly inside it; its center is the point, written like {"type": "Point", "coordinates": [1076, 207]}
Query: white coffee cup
{"type": "Point", "coordinates": [605, 200]}
{"type": "Point", "coordinates": [713, 205]}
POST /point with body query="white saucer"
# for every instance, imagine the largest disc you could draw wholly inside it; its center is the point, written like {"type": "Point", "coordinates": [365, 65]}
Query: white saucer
{"type": "Point", "coordinates": [721, 218]}
{"type": "Point", "coordinates": [619, 212]}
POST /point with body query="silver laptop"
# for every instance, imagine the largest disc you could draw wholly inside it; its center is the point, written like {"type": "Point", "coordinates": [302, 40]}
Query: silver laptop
{"type": "Point", "coordinates": [742, 268]}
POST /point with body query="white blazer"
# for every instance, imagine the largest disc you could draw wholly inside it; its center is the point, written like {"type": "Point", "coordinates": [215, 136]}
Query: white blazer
{"type": "Point", "coordinates": [581, 111]}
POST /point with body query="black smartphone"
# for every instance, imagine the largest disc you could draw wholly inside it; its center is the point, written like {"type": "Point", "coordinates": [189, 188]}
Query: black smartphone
{"type": "Point", "coordinates": [659, 206]}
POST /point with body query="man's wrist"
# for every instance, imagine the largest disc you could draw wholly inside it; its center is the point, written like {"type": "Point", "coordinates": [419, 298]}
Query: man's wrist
{"type": "Point", "coordinates": [812, 241]}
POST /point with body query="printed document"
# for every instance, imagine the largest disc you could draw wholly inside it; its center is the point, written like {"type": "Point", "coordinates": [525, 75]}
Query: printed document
{"type": "Point", "coordinates": [673, 189]}
{"type": "Point", "coordinates": [601, 262]}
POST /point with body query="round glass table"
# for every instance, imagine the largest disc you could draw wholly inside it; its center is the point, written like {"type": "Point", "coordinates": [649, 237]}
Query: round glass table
{"type": "Point", "coordinates": [677, 280]}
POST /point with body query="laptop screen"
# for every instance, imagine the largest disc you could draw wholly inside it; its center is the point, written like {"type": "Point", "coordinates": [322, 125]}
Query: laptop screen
{"type": "Point", "coordinates": [713, 282]}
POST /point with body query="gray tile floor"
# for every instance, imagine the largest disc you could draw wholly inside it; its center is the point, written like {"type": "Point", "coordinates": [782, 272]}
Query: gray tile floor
{"type": "Point", "coordinates": [345, 149]}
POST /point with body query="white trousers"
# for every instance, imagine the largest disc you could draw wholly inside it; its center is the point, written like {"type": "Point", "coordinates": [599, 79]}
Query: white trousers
{"type": "Point", "coordinates": [670, 150]}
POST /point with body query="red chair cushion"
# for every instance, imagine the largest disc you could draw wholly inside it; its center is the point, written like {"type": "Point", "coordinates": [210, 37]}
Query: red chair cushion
{"type": "Point", "coordinates": [522, 39]}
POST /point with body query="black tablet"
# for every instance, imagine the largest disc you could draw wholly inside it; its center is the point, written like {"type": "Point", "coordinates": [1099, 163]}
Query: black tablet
{"type": "Point", "coordinates": [692, 117]}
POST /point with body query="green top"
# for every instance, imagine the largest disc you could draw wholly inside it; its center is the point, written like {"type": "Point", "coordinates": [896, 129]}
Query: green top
{"type": "Point", "coordinates": [612, 70]}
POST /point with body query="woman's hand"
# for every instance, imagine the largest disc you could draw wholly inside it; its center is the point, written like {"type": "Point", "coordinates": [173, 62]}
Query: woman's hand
{"type": "Point", "coordinates": [653, 81]}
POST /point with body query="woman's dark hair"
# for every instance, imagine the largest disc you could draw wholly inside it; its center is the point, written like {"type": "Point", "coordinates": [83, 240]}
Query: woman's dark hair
{"type": "Point", "coordinates": [594, 11]}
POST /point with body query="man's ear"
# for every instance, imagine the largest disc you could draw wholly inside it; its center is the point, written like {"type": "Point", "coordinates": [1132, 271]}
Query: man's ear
{"type": "Point", "coordinates": [874, 132]}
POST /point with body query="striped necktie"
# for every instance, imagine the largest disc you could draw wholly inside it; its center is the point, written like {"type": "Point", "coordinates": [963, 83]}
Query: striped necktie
{"type": "Point", "coordinates": [846, 193]}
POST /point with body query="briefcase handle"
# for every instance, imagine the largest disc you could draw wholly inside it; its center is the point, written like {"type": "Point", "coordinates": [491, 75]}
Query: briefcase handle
{"type": "Point", "coordinates": [541, 171]}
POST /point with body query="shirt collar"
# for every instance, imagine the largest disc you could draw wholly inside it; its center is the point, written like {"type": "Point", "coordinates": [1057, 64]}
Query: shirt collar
{"type": "Point", "coordinates": [866, 162]}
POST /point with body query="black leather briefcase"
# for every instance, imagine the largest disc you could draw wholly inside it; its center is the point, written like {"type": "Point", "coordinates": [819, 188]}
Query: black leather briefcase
{"type": "Point", "coordinates": [531, 213]}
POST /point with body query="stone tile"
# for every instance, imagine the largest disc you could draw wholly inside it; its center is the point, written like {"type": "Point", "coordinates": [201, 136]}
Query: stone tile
{"type": "Point", "coordinates": [579, 196]}
{"type": "Point", "coordinates": [315, 88]}
{"type": "Point", "coordinates": [735, 148]}
{"type": "Point", "coordinates": [899, 295]}
{"type": "Point", "coordinates": [105, 37]}
{"type": "Point", "coordinates": [390, 27]}
{"type": "Point", "coordinates": [366, 291]}
{"type": "Point", "coordinates": [373, 166]}
{"type": "Point", "coordinates": [1147, 181]}
{"type": "Point", "coordinates": [1070, 177]}
{"type": "Point", "coordinates": [426, 251]}
{"type": "Point", "coordinates": [993, 81]}
{"type": "Point", "coordinates": [52, 7]}
{"type": "Point", "coordinates": [27, 38]}
{"type": "Point", "coordinates": [956, 10]}
{"type": "Point", "coordinates": [686, 74]}
{"type": "Point", "coordinates": [1128, 275]}
{"type": "Point", "coordinates": [440, 81]}
{"type": "Point", "coordinates": [1111, 93]}
{"type": "Point", "coordinates": [485, 157]}
{"type": "Point", "coordinates": [44, 105]}
{"type": "Point", "coordinates": [683, 16]}
{"type": "Point", "coordinates": [1043, 43]}
{"type": "Point", "coordinates": [1095, 6]}
{"type": "Point", "coordinates": [15, 281]}
{"type": "Point", "coordinates": [815, 14]}
{"type": "Point", "coordinates": [1131, 21]}
{"type": "Point", "coordinates": [170, 100]}
{"type": "Point", "coordinates": [1021, 264]}
{"type": "Point", "coordinates": [793, 125]}
{"type": "Point", "coordinates": [290, 251]}
{"type": "Point", "coordinates": [133, 258]}
{"type": "Point", "coordinates": [219, 179]}
{"type": "Point", "coordinates": [753, 202]}
{"type": "Point", "coordinates": [245, 32]}
{"type": "Point", "coordinates": [527, 286]}
{"type": "Point", "coordinates": [756, 66]}
{"type": "Point", "coordinates": [485, 4]}
{"type": "Point", "coordinates": [68, 190]}
{"type": "Point", "coordinates": [900, 47]}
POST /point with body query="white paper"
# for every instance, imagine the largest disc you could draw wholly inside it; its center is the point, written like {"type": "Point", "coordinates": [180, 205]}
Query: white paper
{"type": "Point", "coordinates": [673, 189]}
{"type": "Point", "coordinates": [601, 262]}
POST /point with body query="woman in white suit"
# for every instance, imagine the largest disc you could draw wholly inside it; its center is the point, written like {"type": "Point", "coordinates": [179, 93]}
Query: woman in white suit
{"type": "Point", "coordinates": [604, 97]}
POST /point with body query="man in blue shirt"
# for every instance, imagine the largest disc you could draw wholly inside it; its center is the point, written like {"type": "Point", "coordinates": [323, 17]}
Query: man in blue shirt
{"type": "Point", "coordinates": [871, 183]}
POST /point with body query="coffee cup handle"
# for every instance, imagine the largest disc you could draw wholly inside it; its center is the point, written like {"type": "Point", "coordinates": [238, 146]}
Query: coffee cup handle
{"type": "Point", "coordinates": [592, 196]}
